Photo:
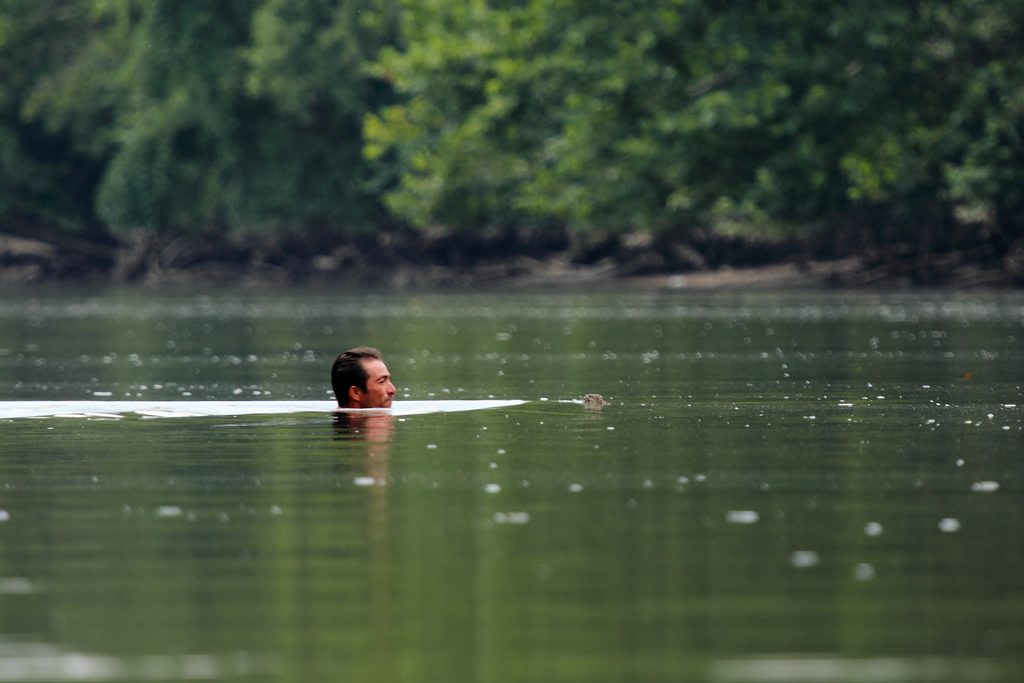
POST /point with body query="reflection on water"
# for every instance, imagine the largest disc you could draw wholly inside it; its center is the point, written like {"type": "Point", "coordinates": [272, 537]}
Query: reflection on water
{"type": "Point", "coordinates": [22, 662]}
{"type": "Point", "coordinates": [106, 409]}
{"type": "Point", "coordinates": [371, 426]}
{"type": "Point", "coordinates": [375, 429]}
{"type": "Point", "coordinates": [826, 670]}
{"type": "Point", "coordinates": [782, 488]}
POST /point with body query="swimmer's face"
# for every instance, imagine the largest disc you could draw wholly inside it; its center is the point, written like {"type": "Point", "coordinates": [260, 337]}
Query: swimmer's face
{"type": "Point", "coordinates": [379, 389]}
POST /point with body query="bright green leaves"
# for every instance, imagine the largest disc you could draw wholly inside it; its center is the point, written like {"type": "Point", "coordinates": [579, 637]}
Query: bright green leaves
{"type": "Point", "coordinates": [670, 116]}
{"type": "Point", "coordinates": [603, 118]}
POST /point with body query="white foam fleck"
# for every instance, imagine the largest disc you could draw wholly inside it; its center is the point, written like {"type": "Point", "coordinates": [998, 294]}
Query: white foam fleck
{"type": "Point", "coordinates": [5, 516]}
{"type": "Point", "coordinates": [15, 585]}
{"type": "Point", "coordinates": [169, 511]}
{"type": "Point", "coordinates": [742, 517]}
{"type": "Point", "coordinates": [511, 517]}
{"type": "Point", "coordinates": [873, 529]}
{"type": "Point", "coordinates": [949, 525]}
{"type": "Point", "coordinates": [575, 488]}
{"type": "Point", "coordinates": [985, 486]}
{"type": "Point", "coordinates": [863, 572]}
{"type": "Point", "coordinates": [493, 488]}
{"type": "Point", "coordinates": [804, 559]}
{"type": "Point", "coordinates": [364, 481]}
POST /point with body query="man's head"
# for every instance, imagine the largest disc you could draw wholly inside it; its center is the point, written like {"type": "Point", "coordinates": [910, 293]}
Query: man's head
{"type": "Point", "coordinates": [361, 380]}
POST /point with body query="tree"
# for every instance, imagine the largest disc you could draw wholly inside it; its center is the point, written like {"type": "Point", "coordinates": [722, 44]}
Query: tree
{"type": "Point", "coordinates": [673, 116]}
{"type": "Point", "coordinates": [213, 117]}
{"type": "Point", "coordinates": [45, 179]}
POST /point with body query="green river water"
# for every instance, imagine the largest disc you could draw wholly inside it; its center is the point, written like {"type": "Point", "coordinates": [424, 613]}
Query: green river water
{"type": "Point", "coordinates": [784, 487]}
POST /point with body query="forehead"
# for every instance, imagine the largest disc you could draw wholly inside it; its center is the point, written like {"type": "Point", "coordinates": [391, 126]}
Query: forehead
{"type": "Point", "coordinates": [374, 368]}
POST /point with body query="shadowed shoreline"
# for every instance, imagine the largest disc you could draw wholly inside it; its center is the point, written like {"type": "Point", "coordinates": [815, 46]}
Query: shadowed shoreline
{"type": "Point", "coordinates": [507, 259]}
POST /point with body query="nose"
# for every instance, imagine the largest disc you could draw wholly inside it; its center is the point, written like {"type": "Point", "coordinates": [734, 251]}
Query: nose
{"type": "Point", "coordinates": [391, 389]}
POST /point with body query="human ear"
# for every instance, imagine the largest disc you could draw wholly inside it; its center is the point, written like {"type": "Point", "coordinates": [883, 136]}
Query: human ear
{"type": "Point", "coordinates": [355, 395]}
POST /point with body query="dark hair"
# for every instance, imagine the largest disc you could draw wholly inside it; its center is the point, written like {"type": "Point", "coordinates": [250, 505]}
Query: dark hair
{"type": "Point", "coordinates": [348, 371]}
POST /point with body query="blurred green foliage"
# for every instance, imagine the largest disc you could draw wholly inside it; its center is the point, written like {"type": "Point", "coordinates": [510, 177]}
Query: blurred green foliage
{"type": "Point", "coordinates": [186, 116]}
{"type": "Point", "coordinates": [202, 117]}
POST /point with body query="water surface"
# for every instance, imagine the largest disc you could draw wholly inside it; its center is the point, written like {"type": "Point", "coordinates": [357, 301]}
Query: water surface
{"type": "Point", "coordinates": [784, 487]}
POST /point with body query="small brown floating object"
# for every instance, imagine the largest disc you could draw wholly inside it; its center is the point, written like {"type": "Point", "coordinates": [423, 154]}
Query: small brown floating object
{"type": "Point", "coordinates": [594, 401]}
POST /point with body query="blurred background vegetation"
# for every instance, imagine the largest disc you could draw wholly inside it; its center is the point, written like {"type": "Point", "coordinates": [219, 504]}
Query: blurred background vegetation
{"type": "Point", "coordinates": [868, 123]}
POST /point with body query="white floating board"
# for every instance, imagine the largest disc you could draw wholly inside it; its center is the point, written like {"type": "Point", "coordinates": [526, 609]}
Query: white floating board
{"type": "Point", "coordinates": [19, 409]}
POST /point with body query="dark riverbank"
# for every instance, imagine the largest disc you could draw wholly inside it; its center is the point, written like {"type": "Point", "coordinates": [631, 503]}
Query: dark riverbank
{"type": "Point", "coordinates": [408, 259]}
